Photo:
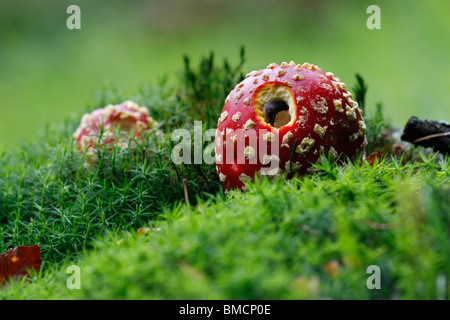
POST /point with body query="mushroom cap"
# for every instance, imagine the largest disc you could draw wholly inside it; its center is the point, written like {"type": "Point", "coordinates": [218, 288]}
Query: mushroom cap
{"type": "Point", "coordinates": [101, 125]}
{"type": "Point", "coordinates": [281, 119]}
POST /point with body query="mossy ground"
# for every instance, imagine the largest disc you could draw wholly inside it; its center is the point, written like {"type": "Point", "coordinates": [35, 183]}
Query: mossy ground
{"type": "Point", "coordinates": [312, 237]}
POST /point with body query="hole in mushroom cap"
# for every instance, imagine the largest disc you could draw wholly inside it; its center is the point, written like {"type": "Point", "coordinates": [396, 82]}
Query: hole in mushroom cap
{"type": "Point", "coordinates": [277, 113]}
{"type": "Point", "coordinates": [274, 103]}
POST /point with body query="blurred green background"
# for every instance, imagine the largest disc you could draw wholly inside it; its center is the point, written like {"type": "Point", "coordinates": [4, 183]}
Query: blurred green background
{"type": "Point", "coordinates": [48, 72]}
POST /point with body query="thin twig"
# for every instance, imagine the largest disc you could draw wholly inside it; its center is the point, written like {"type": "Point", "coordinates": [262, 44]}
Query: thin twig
{"type": "Point", "coordinates": [186, 193]}
{"type": "Point", "coordinates": [431, 136]}
{"type": "Point", "coordinates": [379, 226]}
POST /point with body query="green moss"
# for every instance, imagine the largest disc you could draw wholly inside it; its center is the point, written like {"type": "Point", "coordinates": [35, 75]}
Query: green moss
{"type": "Point", "coordinates": [276, 240]}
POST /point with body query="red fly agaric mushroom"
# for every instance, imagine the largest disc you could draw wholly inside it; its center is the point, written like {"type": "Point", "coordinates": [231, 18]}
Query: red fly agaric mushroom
{"type": "Point", "coordinates": [102, 125]}
{"type": "Point", "coordinates": [285, 116]}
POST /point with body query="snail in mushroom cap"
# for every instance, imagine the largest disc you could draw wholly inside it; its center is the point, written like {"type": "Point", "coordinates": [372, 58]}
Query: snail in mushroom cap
{"type": "Point", "coordinates": [280, 119]}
